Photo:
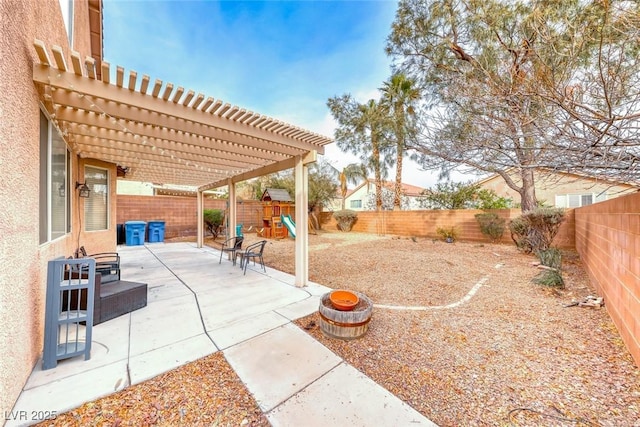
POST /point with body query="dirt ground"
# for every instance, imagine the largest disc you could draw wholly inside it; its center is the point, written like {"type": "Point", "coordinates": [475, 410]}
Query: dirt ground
{"type": "Point", "coordinates": [510, 354]}
{"type": "Point", "coordinates": [513, 354]}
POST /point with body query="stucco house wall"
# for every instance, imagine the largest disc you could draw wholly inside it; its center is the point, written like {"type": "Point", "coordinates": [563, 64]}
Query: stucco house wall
{"type": "Point", "coordinates": [24, 260]}
{"type": "Point", "coordinates": [356, 199]}
{"type": "Point", "coordinates": [552, 184]}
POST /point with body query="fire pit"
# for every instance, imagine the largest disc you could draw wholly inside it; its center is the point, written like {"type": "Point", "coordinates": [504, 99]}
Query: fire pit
{"type": "Point", "coordinates": [341, 324]}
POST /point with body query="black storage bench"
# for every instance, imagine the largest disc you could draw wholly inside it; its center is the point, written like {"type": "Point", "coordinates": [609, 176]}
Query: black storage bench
{"type": "Point", "coordinates": [112, 297]}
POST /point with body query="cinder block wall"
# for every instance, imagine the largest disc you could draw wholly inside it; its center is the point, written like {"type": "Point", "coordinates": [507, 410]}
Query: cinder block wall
{"type": "Point", "coordinates": [425, 223]}
{"type": "Point", "coordinates": [180, 213]}
{"type": "Point", "coordinates": [608, 241]}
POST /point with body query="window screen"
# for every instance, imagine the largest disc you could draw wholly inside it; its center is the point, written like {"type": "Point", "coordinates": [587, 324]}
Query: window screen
{"type": "Point", "coordinates": [54, 198]}
{"type": "Point", "coordinates": [587, 199]}
{"type": "Point", "coordinates": [96, 207]}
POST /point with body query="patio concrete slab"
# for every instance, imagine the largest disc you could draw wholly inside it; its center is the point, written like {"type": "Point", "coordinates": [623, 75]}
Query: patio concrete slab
{"type": "Point", "coordinates": [70, 392]}
{"type": "Point", "coordinates": [345, 396]}
{"type": "Point", "coordinates": [242, 330]}
{"type": "Point", "coordinates": [280, 363]}
{"type": "Point", "coordinates": [246, 301]}
{"type": "Point", "coordinates": [196, 307]}
{"type": "Point", "coordinates": [163, 323]}
{"type": "Point", "coordinates": [106, 348]}
{"type": "Point", "coordinates": [157, 361]}
{"type": "Point", "coordinates": [300, 309]}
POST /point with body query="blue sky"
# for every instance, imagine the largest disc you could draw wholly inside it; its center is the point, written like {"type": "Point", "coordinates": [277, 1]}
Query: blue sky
{"type": "Point", "coordinates": [279, 58]}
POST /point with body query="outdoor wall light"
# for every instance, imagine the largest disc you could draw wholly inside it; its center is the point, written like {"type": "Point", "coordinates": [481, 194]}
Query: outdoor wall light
{"type": "Point", "coordinates": [84, 189]}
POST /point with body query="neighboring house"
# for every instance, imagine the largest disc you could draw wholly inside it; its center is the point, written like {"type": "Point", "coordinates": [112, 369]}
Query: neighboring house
{"type": "Point", "coordinates": [358, 199]}
{"type": "Point", "coordinates": [134, 188]}
{"type": "Point", "coordinates": [561, 189]}
{"type": "Point", "coordinates": [71, 122]}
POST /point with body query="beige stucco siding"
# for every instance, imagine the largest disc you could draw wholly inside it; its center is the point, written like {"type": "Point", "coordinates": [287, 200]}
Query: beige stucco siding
{"type": "Point", "coordinates": [23, 260]}
{"type": "Point", "coordinates": [552, 184]}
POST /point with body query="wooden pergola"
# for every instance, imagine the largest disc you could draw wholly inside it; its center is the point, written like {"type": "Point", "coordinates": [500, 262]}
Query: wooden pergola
{"type": "Point", "coordinates": [156, 132]}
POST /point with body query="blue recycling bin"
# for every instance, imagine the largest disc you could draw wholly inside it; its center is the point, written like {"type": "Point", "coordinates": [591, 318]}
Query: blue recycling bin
{"type": "Point", "coordinates": [156, 231]}
{"type": "Point", "coordinates": [134, 231]}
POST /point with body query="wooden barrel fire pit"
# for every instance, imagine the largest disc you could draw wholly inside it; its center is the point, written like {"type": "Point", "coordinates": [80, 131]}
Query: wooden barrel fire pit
{"type": "Point", "coordinates": [345, 325]}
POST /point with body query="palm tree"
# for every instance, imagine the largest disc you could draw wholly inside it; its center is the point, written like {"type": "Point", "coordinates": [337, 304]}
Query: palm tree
{"type": "Point", "coordinates": [362, 129]}
{"type": "Point", "coordinates": [399, 95]}
{"type": "Point", "coordinates": [351, 173]}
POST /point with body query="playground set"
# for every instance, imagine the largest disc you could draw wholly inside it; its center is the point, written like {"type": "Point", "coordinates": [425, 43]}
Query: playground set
{"type": "Point", "coordinates": [276, 214]}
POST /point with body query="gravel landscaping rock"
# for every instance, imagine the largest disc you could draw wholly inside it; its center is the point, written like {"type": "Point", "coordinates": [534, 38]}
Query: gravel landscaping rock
{"type": "Point", "coordinates": [510, 354]}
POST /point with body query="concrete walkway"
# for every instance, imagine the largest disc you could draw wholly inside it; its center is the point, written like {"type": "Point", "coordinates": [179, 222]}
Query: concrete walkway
{"type": "Point", "coordinates": [197, 307]}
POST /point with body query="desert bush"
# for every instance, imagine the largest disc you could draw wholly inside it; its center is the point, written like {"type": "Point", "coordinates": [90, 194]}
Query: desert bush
{"type": "Point", "coordinates": [551, 257]}
{"type": "Point", "coordinates": [534, 231]}
{"type": "Point", "coordinates": [550, 278]}
{"type": "Point", "coordinates": [213, 219]}
{"type": "Point", "coordinates": [448, 234]}
{"type": "Point", "coordinates": [491, 225]}
{"type": "Point", "coordinates": [345, 219]}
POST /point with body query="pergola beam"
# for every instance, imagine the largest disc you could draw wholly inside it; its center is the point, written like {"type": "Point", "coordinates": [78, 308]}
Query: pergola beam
{"type": "Point", "coordinates": [122, 98]}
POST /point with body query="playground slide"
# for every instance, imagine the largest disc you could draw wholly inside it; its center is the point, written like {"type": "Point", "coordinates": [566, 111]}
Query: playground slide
{"type": "Point", "coordinates": [291, 226]}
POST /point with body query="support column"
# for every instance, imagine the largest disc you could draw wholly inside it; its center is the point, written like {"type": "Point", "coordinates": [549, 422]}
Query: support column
{"type": "Point", "coordinates": [231, 221]}
{"type": "Point", "coordinates": [301, 175]}
{"type": "Point", "coordinates": [200, 221]}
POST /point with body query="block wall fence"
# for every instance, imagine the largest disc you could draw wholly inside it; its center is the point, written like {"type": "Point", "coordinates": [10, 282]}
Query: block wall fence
{"type": "Point", "coordinates": [606, 235]}
{"type": "Point", "coordinates": [608, 240]}
{"type": "Point", "coordinates": [425, 223]}
{"type": "Point", "coordinates": [180, 213]}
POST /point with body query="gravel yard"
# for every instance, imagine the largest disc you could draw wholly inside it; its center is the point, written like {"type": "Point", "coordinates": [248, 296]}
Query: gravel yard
{"type": "Point", "coordinates": [513, 353]}
{"type": "Point", "coordinates": [509, 354]}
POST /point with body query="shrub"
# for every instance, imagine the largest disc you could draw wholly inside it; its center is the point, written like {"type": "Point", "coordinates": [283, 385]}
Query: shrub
{"type": "Point", "coordinates": [491, 225]}
{"type": "Point", "coordinates": [551, 257]}
{"type": "Point", "coordinates": [213, 219]}
{"type": "Point", "coordinates": [552, 277]}
{"type": "Point", "coordinates": [345, 219]}
{"type": "Point", "coordinates": [534, 231]}
{"type": "Point", "coordinates": [448, 234]}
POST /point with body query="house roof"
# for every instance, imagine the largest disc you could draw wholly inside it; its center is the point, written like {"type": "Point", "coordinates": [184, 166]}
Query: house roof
{"type": "Point", "coordinates": [407, 189]}
{"type": "Point", "coordinates": [276, 194]}
{"type": "Point", "coordinates": [161, 133]}
{"type": "Point", "coordinates": [575, 175]}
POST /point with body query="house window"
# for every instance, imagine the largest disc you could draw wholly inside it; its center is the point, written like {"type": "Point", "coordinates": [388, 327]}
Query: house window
{"type": "Point", "coordinates": [96, 207]}
{"type": "Point", "coordinates": [66, 7]}
{"type": "Point", "coordinates": [578, 200]}
{"type": "Point", "coordinates": [54, 198]}
{"type": "Point", "coordinates": [355, 204]}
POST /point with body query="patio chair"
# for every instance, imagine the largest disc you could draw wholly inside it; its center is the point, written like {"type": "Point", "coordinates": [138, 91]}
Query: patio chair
{"type": "Point", "coordinates": [254, 251]}
{"type": "Point", "coordinates": [231, 246]}
{"type": "Point", "coordinates": [107, 264]}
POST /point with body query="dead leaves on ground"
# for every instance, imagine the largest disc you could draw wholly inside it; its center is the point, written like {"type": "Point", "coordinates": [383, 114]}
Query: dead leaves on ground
{"type": "Point", "coordinates": [206, 392]}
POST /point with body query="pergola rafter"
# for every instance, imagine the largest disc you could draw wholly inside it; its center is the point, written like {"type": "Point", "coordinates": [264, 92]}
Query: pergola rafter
{"type": "Point", "coordinates": [159, 132]}
{"type": "Point", "coordinates": [166, 135]}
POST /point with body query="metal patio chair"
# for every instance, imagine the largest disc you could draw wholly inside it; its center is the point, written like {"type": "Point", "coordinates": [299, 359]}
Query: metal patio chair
{"type": "Point", "coordinates": [254, 251]}
{"type": "Point", "coordinates": [231, 246]}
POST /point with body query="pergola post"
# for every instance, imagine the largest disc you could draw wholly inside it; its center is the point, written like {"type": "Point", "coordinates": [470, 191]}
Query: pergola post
{"type": "Point", "coordinates": [200, 219]}
{"type": "Point", "coordinates": [231, 221]}
{"type": "Point", "coordinates": [301, 175]}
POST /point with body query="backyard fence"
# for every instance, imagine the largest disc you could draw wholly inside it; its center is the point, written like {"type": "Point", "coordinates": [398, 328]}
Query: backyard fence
{"type": "Point", "coordinates": [606, 235]}
{"type": "Point", "coordinates": [180, 212]}
{"type": "Point", "coordinates": [608, 241]}
{"type": "Point", "coordinates": [425, 223]}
